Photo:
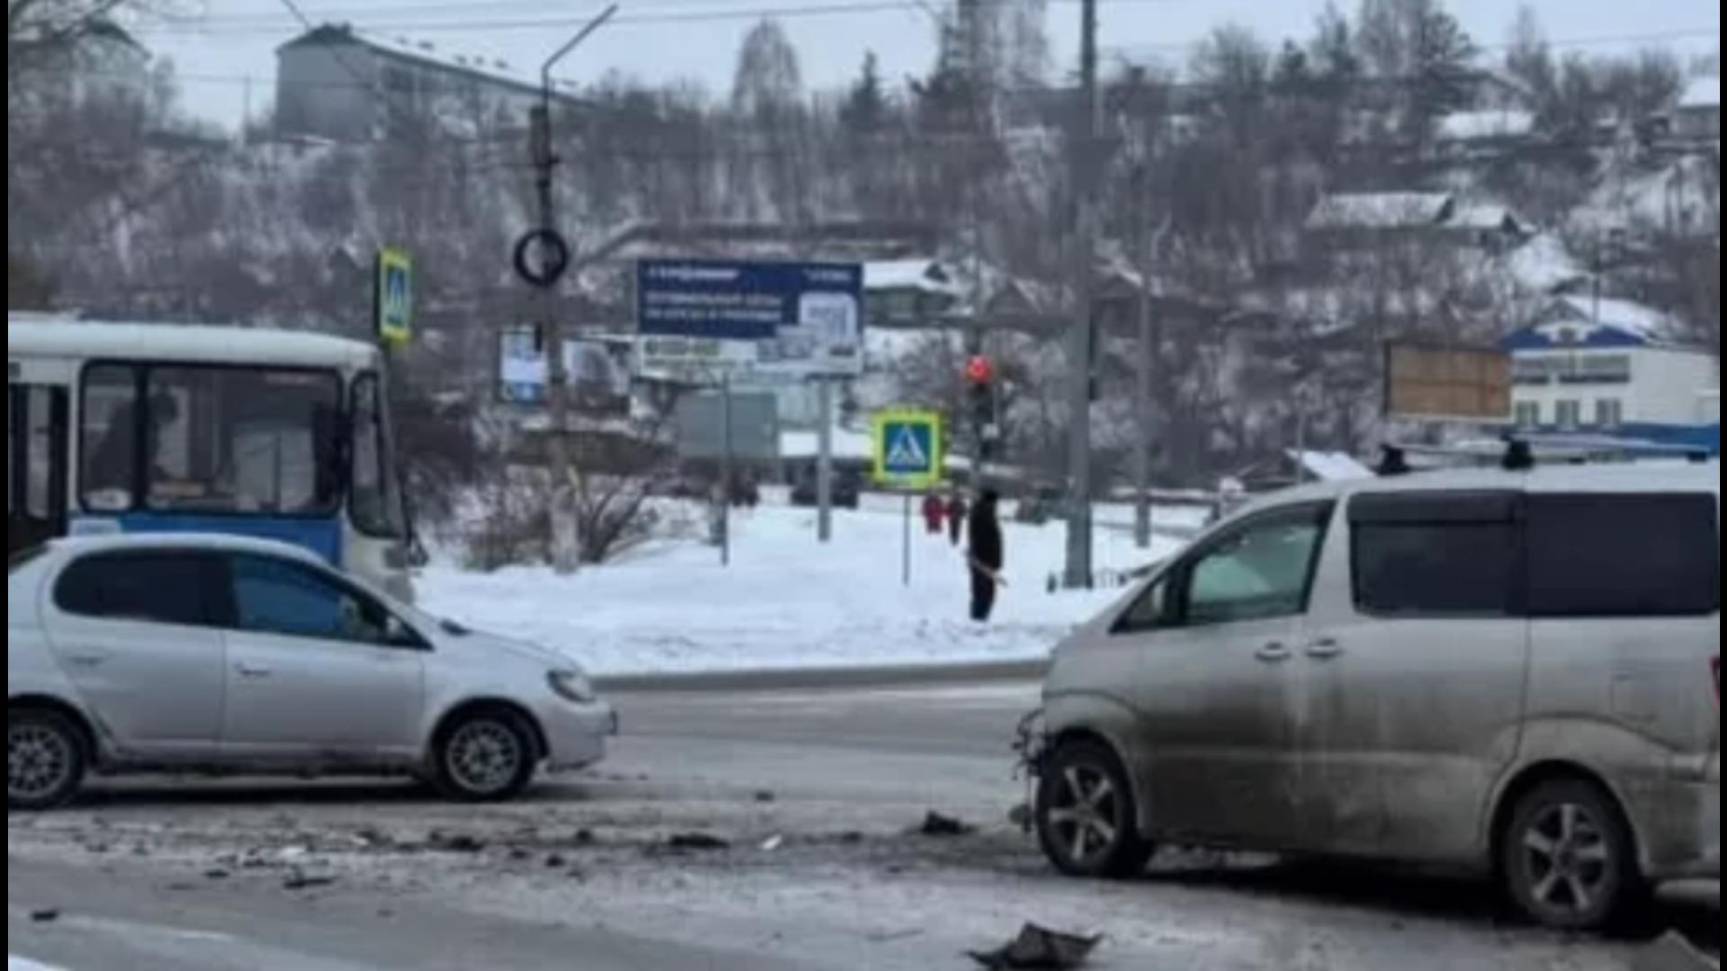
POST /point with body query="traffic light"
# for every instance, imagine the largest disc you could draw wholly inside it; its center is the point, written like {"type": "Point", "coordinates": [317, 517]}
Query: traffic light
{"type": "Point", "coordinates": [980, 382]}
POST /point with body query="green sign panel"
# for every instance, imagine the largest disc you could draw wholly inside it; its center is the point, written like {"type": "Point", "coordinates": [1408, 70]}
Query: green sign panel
{"type": "Point", "coordinates": [394, 297]}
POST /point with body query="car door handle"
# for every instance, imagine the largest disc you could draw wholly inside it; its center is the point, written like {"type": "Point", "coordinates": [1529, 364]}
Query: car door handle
{"type": "Point", "coordinates": [1325, 648]}
{"type": "Point", "coordinates": [1273, 653]}
{"type": "Point", "coordinates": [88, 660]}
{"type": "Point", "coordinates": [252, 671]}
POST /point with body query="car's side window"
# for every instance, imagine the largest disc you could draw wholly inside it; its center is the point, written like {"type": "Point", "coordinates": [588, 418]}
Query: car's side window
{"type": "Point", "coordinates": [273, 596]}
{"type": "Point", "coordinates": [1260, 569]}
{"type": "Point", "coordinates": [153, 587]}
{"type": "Point", "coordinates": [1435, 554]}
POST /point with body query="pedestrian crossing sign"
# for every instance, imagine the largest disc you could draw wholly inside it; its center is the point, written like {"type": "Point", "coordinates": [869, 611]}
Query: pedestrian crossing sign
{"type": "Point", "coordinates": [393, 296]}
{"type": "Point", "coordinates": [908, 449]}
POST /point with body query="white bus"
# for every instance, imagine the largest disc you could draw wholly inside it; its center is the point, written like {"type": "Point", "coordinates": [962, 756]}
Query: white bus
{"type": "Point", "coordinates": [118, 427]}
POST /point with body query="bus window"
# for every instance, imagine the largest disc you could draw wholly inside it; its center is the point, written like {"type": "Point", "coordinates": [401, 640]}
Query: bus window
{"type": "Point", "coordinates": [375, 506]}
{"type": "Point", "coordinates": [243, 440]}
{"type": "Point", "coordinates": [109, 453]}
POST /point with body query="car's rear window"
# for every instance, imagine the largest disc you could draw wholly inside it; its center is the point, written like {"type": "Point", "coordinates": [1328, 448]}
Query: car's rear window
{"type": "Point", "coordinates": [156, 587]}
{"type": "Point", "coordinates": [1624, 555]}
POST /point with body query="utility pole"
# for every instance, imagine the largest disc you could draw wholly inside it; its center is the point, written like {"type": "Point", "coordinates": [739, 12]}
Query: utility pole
{"type": "Point", "coordinates": [566, 552]}
{"type": "Point", "coordinates": [1143, 394]}
{"type": "Point", "coordinates": [1085, 162]}
{"type": "Point", "coordinates": [825, 462]}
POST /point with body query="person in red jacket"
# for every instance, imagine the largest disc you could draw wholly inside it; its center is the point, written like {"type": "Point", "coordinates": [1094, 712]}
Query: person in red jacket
{"type": "Point", "coordinates": [933, 511]}
{"type": "Point", "coordinates": [957, 510]}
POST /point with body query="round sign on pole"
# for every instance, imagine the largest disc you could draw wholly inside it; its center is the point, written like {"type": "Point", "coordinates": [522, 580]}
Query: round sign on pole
{"type": "Point", "coordinates": [542, 257]}
{"type": "Point", "coordinates": [980, 370]}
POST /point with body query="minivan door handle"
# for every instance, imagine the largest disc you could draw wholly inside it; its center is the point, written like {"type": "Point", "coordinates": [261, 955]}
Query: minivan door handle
{"type": "Point", "coordinates": [252, 671]}
{"type": "Point", "coordinates": [1325, 648]}
{"type": "Point", "coordinates": [1273, 653]}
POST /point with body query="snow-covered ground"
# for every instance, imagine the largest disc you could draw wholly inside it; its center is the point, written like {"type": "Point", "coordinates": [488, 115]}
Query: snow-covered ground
{"type": "Point", "coordinates": [14, 963]}
{"type": "Point", "coordinates": [789, 602]}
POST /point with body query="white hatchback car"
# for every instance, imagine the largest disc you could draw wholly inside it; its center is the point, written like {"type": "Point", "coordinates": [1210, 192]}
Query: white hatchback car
{"type": "Point", "coordinates": [227, 655]}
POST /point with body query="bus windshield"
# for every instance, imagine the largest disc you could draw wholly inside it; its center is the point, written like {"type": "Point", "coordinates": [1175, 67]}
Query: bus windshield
{"type": "Point", "coordinates": [217, 440]}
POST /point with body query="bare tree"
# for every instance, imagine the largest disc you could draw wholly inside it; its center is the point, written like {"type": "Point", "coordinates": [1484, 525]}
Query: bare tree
{"type": "Point", "coordinates": [768, 80]}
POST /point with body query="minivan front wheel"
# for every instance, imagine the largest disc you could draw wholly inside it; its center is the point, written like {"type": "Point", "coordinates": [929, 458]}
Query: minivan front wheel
{"type": "Point", "coordinates": [1086, 819]}
{"type": "Point", "coordinates": [45, 760]}
{"type": "Point", "coordinates": [1569, 858]}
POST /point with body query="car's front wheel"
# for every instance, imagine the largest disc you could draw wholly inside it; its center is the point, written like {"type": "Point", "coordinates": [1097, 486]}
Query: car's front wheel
{"type": "Point", "coordinates": [45, 760]}
{"type": "Point", "coordinates": [1569, 859]}
{"type": "Point", "coordinates": [485, 756]}
{"type": "Point", "coordinates": [1086, 819]}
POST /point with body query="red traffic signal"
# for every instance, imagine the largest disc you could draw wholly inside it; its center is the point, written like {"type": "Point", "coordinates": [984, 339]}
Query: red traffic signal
{"type": "Point", "coordinates": [980, 370]}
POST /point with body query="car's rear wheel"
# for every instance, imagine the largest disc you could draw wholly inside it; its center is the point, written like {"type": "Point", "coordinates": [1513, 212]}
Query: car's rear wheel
{"type": "Point", "coordinates": [1087, 822]}
{"type": "Point", "coordinates": [1569, 858]}
{"type": "Point", "coordinates": [486, 756]}
{"type": "Point", "coordinates": [45, 760]}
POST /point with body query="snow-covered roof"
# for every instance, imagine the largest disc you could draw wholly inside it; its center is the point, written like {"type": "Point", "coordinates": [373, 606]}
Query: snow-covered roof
{"type": "Point", "coordinates": [426, 53]}
{"type": "Point", "coordinates": [1701, 94]}
{"type": "Point", "coordinates": [1474, 126]}
{"type": "Point", "coordinates": [1625, 315]}
{"type": "Point", "coordinates": [1485, 216]}
{"type": "Point", "coordinates": [928, 276]}
{"type": "Point", "coordinates": [1381, 210]}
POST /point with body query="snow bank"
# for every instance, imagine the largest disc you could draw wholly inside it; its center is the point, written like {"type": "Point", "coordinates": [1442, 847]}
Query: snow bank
{"type": "Point", "coordinates": [787, 601]}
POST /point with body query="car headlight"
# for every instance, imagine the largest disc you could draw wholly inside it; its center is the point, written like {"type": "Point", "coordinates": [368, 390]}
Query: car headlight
{"type": "Point", "coordinates": [572, 686]}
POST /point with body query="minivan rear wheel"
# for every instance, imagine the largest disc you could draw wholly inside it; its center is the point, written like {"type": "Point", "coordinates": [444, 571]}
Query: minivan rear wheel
{"type": "Point", "coordinates": [1569, 858]}
{"type": "Point", "coordinates": [1087, 822]}
{"type": "Point", "coordinates": [45, 760]}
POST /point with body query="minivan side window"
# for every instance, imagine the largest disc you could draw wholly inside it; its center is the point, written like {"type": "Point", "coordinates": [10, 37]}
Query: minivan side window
{"type": "Point", "coordinates": [1624, 555]}
{"type": "Point", "coordinates": [161, 588]}
{"type": "Point", "coordinates": [1261, 569]}
{"type": "Point", "coordinates": [1435, 554]}
{"type": "Point", "coordinates": [273, 596]}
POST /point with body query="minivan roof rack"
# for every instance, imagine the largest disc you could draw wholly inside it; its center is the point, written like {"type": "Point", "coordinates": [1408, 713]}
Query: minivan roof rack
{"type": "Point", "coordinates": [1518, 452]}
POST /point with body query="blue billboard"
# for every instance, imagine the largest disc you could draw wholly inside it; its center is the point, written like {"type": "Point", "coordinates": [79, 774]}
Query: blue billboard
{"type": "Point", "coordinates": [805, 317]}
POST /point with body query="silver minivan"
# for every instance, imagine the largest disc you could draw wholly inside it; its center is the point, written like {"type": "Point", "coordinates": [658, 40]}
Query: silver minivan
{"type": "Point", "coordinates": [1512, 673]}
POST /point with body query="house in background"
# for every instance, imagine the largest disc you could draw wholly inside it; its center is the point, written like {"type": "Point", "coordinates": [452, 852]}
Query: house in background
{"type": "Point", "coordinates": [336, 83]}
{"type": "Point", "coordinates": [1612, 367]}
{"type": "Point", "coordinates": [1698, 114]}
{"type": "Point", "coordinates": [909, 293]}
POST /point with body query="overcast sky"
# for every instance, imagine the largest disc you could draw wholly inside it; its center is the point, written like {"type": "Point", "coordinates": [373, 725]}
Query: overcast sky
{"type": "Point", "coordinates": [221, 44]}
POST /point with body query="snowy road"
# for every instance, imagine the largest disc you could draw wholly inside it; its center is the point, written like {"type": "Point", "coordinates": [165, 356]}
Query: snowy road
{"type": "Point", "coordinates": [813, 791]}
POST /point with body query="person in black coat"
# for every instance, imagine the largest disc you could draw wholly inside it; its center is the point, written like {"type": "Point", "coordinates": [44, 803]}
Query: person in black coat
{"type": "Point", "coordinates": [987, 556]}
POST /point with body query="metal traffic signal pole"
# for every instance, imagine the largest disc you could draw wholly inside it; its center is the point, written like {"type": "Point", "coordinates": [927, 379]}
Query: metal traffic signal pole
{"type": "Point", "coordinates": [1085, 161]}
{"type": "Point", "coordinates": [565, 552]}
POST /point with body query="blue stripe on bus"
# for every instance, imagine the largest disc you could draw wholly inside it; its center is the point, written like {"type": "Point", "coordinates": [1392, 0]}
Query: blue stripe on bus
{"type": "Point", "coordinates": [321, 536]}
